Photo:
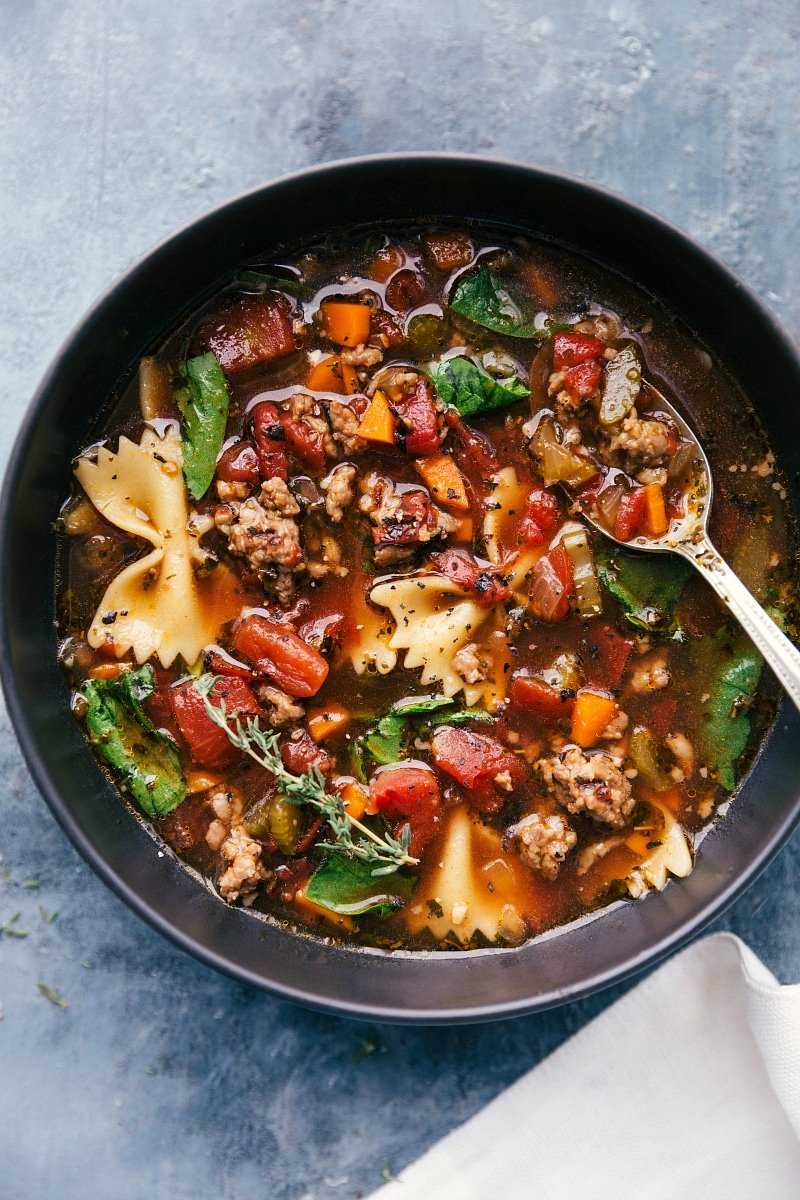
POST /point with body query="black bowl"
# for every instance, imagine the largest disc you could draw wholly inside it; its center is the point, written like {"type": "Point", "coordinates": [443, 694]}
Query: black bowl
{"type": "Point", "coordinates": [422, 987]}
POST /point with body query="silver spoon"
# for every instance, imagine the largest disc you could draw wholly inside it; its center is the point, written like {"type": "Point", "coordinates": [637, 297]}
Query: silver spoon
{"type": "Point", "coordinates": [688, 537]}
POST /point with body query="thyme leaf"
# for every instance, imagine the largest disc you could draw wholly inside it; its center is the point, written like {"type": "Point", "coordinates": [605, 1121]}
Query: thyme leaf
{"type": "Point", "coordinates": [384, 852]}
{"type": "Point", "coordinates": [52, 995]}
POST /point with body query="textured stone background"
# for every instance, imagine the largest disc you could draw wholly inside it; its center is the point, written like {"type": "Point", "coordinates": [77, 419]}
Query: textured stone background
{"type": "Point", "coordinates": [119, 122]}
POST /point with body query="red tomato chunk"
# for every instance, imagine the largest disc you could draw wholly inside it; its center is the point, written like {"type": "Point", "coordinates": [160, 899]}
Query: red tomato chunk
{"type": "Point", "coordinates": [279, 654]}
{"type": "Point", "coordinates": [409, 795]}
{"type": "Point", "coordinates": [209, 744]}
{"type": "Point", "coordinates": [583, 380]}
{"type": "Point", "coordinates": [571, 349]}
{"type": "Point", "coordinates": [609, 652]}
{"type": "Point", "coordinates": [553, 586]}
{"type": "Point", "coordinates": [477, 762]}
{"type": "Point", "coordinates": [270, 439]}
{"type": "Point", "coordinates": [542, 516]}
{"type": "Point", "coordinates": [239, 464]}
{"type": "Point", "coordinates": [251, 332]}
{"type": "Point", "coordinates": [630, 514]}
{"type": "Point", "coordinates": [301, 752]}
{"type": "Point", "coordinates": [418, 411]}
{"type": "Point", "coordinates": [484, 581]}
{"type": "Point", "coordinates": [545, 703]}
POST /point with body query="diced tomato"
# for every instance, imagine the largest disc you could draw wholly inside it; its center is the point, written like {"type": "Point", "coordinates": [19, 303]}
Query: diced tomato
{"type": "Point", "coordinates": [608, 656]}
{"type": "Point", "coordinates": [406, 290]}
{"type": "Point", "coordinates": [571, 349]}
{"type": "Point", "coordinates": [583, 380]}
{"type": "Point", "coordinates": [553, 586]}
{"type": "Point", "coordinates": [475, 760]}
{"type": "Point", "coordinates": [661, 716]}
{"type": "Point", "coordinates": [409, 795]}
{"type": "Point", "coordinates": [675, 502]}
{"type": "Point", "coordinates": [476, 452]}
{"type": "Point", "coordinates": [547, 704]}
{"type": "Point", "coordinates": [209, 744]}
{"type": "Point", "coordinates": [541, 518]}
{"type": "Point", "coordinates": [300, 753]}
{"type": "Point", "coordinates": [630, 514]}
{"type": "Point", "coordinates": [589, 491]}
{"type": "Point", "coordinates": [270, 440]}
{"type": "Point", "coordinates": [255, 330]}
{"type": "Point", "coordinates": [417, 411]}
{"type": "Point", "coordinates": [414, 514]}
{"type": "Point", "coordinates": [323, 633]}
{"type": "Point", "coordinates": [383, 326]}
{"type": "Point", "coordinates": [239, 464]}
{"type": "Point", "coordinates": [219, 662]}
{"type": "Point", "coordinates": [280, 655]}
{"type": "Point", "coordinates": [483, 580]}
{"type": "Point", "coordinates": [305, 443]}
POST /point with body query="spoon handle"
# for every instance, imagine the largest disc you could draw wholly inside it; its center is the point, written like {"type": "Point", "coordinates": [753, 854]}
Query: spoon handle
{"type": "Point", "coordinates": [779, 653]}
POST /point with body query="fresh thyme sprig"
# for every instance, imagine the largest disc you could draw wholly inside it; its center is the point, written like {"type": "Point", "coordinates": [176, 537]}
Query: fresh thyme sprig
{"type": "Point", "coordinates": [385, 851]}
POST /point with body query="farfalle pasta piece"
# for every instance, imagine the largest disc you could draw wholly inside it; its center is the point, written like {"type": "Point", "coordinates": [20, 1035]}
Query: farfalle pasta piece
{"type": "Point", "coordinates": [155, 606]}
{"type": "Point", "coordinates": [475, 888]}
{"type": "Point", "coordinates": [433, 620]}
{"type": "Point", "coordinates": [371, 634]}
{"type": "Point", "coordinates": [671, 856]}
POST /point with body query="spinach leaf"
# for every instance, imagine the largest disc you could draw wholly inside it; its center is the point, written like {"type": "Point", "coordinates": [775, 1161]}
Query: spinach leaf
{"type": "Point", "coordinates": [346, 885]}
{"type": "Point", "coordinates": [145, 760]}
{"type": "Point", "coordinates": [413, 705]}
{"type": "Point", "coordinates": [726, 730]}
{"type": "Point", "coordinates": [204, 407]}
{"type": "Point", "coordinates": [481, 298]}
{"type": "Point", "coordinates": [461, 717]}
{"type": "Point", "coordinates": [648, 586]}
{"type": "Point", "coordinates": [460, 382]}
{"type": "Point", "coordinates": [385, 742]}
{"type": "Point", "coordinates": [264, 281]}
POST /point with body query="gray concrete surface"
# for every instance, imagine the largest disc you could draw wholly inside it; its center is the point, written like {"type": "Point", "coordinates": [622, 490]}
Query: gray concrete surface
{"type": "Point", "coordinates": [119, 122]}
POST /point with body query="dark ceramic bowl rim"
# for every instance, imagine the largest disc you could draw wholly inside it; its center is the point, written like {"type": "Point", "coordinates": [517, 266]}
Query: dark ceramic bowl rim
{"type": "Point", "coordinates": [67, 810]}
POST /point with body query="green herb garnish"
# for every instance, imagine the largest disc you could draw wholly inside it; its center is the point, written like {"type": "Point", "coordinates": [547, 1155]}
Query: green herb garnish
{"type": "Point", "coordinates": [52, 995]}
{"type": "Point", "coordinates": [481, 297]}
{"type": "Point", "coordinates": [10, 929]}
{"type": "Point", "coordinates": [460, 382]}
{"type": "Point", "coordinates": [382, 852]}
{"type": "Point", "coordinates": [204, 407]}
{"type": "Point", "coordinates": [145, 759]}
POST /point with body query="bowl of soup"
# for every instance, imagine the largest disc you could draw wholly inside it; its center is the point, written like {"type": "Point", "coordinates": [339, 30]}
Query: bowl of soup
{"type": "Point", "coordinates": [307, 641]}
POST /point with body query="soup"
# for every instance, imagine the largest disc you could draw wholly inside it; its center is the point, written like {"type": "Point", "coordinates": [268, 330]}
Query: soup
{"type": "Point", "coordinates": [335, 622]}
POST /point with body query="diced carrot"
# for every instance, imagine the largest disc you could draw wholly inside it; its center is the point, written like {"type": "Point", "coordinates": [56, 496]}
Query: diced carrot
{"type": "Point", "coordinates": [325, 722]}
{"type": "Point", "coordinates": [310, 909]}
{"type": "Point", "coordinates": [111, 670]}
{"type": "Point", "coordinates": [346, 324]}
{"type": "Point", "coordinates": [655, 520]}
{"type": "Point", "coordinates": [444, 481]}
{"type": "Point", "coordinates": [355, 798]}
{"type": "Point", "coordinates": [592, 714]}
{"type": "Point", "coordinates": [385, 263]}
{"type": "Point", "coordinates": [326, 376]}
{"type": "Point", "coordinates": [332, 375]}
{"type": "Point", "coordinates": [202, 781]}
{"type": "Point", "coordinates": [379, 422]}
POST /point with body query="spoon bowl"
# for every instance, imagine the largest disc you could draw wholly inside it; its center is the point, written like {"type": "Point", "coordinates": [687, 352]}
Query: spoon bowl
{"type": "Point", "coordinates": [688, 537]}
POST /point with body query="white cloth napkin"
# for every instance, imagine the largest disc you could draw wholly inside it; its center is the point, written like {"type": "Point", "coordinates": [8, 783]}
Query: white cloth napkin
{"type": "Point", "coordinates": [687, 1086]}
